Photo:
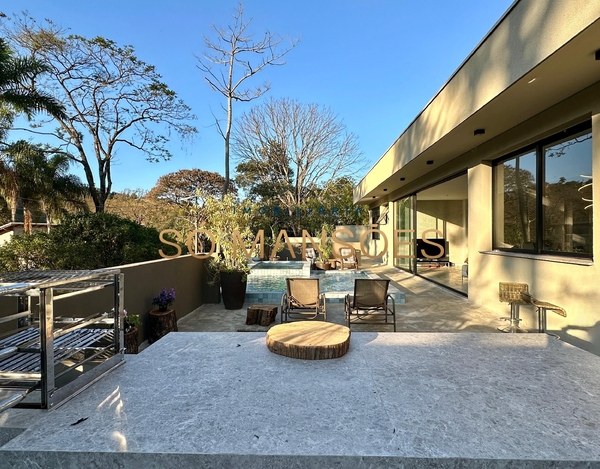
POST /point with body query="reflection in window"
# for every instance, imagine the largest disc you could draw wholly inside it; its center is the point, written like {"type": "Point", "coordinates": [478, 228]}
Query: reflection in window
{"type": "Point", "coordinates": [543, 198]}
{"type": "Point", "coordinates": [374, 220]}
{"type": "Point", "coordinates": [567, 222]}
{"type": "Point", "coordinates": [515, 203]}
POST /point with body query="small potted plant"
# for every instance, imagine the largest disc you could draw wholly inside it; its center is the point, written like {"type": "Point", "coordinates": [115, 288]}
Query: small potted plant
{"type": "Point", "coordinates": [165, 299]}
{"type": "Point", "coordinates": [131, 326]}
{"type": "Point", "coordinates": [164, 320]}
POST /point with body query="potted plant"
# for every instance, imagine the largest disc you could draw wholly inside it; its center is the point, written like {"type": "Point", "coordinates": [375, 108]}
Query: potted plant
{"type": "Point", "coordinates": [326, 251]}
{"type": "Point", "coordinates": [131, 326]}
{"type": "Point", "coordinates": [164, 320]}
{"type": "Point", "coordinates": [273, 253]}
{"type": "Point", "coordinates": [210, 286]}
{"type": "Point", "coordinates": [164, 299]}
{"type": "Point", "coordinates": [224, 217]}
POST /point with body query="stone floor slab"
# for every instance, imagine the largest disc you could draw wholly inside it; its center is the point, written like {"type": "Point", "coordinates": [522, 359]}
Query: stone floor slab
{"type": "Point", "coordinates": [394, 400]}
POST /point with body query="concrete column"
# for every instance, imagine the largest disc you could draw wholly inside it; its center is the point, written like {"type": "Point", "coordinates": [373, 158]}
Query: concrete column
{"type": "Point", "coordinates": [479, 228]}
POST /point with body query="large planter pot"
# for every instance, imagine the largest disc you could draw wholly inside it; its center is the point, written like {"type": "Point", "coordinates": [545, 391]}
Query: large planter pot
{"type": "Point", "coordinates": [233, 289]}
{"type": "Point", "coordinates": [211, 293]}
{"type": "Point", "coordinates": [131, 341]}
{"type": "Point", "coordinates": [323, 266]}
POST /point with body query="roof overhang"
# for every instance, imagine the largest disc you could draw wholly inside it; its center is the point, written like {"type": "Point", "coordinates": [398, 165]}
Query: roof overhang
{"type": "Point", "coordinates": [540, 53]}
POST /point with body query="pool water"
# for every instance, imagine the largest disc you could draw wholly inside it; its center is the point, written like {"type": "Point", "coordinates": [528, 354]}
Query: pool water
{"type": "Point", "coordinates": [328, 281]}
{"type": "Point", "coordinates": [266, 281]}
{"type": "Point", "coordinates": [275, 265]}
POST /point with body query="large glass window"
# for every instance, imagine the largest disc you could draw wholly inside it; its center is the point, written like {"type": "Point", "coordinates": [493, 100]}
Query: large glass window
{"type": "Point", "coordinates": [516, 202]}
{"type": "Point", "coordinates": [542, 196]}
{"type": "Point", "coordinates": [567, 195]}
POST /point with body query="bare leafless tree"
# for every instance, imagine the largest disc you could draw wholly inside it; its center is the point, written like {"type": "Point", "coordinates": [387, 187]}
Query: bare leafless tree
{"type": "Point", "coordinates": [290, 149]}
{"type": "Point", "coordinates": [232, 58]}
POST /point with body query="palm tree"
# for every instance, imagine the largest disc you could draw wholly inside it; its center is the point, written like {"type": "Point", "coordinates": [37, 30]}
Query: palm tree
{"type": "Point", "coordinates": [61, 191]}
{"type": "Point", "coordinates": [17, 75]}
{"type": "Point", "coordinates": [28, 176]}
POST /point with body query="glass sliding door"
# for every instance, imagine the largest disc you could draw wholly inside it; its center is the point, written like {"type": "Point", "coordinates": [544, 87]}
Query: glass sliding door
{"type": "Point", "coordinates": [404, 239]}
{"type": "Point", "coordinates": [442, 233]}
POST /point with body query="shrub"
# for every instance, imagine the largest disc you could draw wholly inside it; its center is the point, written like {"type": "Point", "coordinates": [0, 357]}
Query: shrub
{"type": "Point", "coordinates": [85, 241]}
{"type": "Point", "coordinates": [24, 252]}
{"type": "Point", "coordinates": [97, 240]}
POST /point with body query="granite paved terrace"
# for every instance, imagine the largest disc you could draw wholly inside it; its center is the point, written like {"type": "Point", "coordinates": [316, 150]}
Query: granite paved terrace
{"type": "Point", "coordinates": [478, 399]}
{"type": "Point", "coordinates": [395, 400]}
{"type": "Point", "coordinates": [427, 308]}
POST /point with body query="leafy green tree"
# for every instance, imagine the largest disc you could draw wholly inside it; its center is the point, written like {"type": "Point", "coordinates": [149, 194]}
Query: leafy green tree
{"type": "Point", "coordinates": [97, 240]}
{"type": "Point", "coordinates": [331, 204]}
{"type": "Point", "coordinates": [178, 187]}
{"type": "Point", "coordinates": [113, 100]}
{"type": "Point", "coordinates": [140, 207]}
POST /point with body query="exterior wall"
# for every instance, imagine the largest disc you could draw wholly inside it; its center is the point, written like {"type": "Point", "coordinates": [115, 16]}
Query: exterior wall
{"type": "Point", "coordinates": [143, 281]}
{"type": "Point", "coordinates": [490, 90]}
{"type": "Point", "coordinates": [574, 287]}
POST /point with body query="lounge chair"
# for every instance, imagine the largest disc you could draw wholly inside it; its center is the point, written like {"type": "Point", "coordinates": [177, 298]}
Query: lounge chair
{"type": "Point", "coordinates": [302, 300]}
{"type": "Point", "coordinates": [348, 259]}
{"type": "Point", "coordinates": [370, 303]}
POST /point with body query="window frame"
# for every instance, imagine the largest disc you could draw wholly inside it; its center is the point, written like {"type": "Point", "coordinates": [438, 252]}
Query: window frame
{"type": "Point", "coordinates": [538, 147]}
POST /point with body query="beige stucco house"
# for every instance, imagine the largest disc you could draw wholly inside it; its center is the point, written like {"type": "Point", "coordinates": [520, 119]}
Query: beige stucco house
{"type": "Point", "coordinates": [499, 170]}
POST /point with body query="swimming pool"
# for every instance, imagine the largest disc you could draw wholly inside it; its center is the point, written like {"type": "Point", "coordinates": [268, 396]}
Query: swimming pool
{"type": "Point", "coordinates": [280, 268]}
{"type": "Point", "coordinates": [268, 288]}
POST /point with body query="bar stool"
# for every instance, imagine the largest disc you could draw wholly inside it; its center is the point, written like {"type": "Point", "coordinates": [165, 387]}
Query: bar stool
{"type": "Point", "coordinates": [542, 307]}
{"type": "Point", "coordinates": [512, 293]}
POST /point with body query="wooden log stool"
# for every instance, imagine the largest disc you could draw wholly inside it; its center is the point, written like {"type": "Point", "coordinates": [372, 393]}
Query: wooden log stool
{"type": "Point", "coordinates": [261, 314]}
{"type": "Point", "coordinates": [131, 341]}
{"type": "Point", "coordinates": [161, 323]}
{"type": "Point", "coordinates": [309, 340]}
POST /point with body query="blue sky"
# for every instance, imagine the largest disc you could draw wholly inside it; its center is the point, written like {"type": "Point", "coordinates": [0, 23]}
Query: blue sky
{"type": "Point", "coordinates": [375, 63]}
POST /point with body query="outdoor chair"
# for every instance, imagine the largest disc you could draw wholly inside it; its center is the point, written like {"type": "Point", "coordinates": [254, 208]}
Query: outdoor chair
{"type": "Point", "coordinates": [542, 307]}
{"type": "Point", "coordinates": [348, 259]}
{"type": "Point", "coordinates": [370, 303]}
{"type": "Point", "coordinates": [303, 300]}
{"type": "Point", "coordinates": [513, 293]}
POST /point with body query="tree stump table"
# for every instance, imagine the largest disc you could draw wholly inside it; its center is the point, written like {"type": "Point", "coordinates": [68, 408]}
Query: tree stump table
{"type": "Point", "coordinates": [131, 341]}
{"type": "Point", "coordinates": [309, 340]}
{"type": "Point", "coordinates": [261, 314]}
{"type": "Point", "coordinates": [161, 323]}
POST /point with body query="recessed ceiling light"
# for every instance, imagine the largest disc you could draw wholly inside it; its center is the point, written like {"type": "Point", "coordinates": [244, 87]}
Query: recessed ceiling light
{"type": "Point", "coordinates": [403, 179]}
{"type": "Point", "coordinates": [598, 54]}
{"type": "Point", "coordinates": [429, 161]}
{"type": "Point", "coordinates": [384, 190]}
{"type": "Point", "coordinates": [479, 132]}
{"type": "Point", "coordinates": [374, 196]}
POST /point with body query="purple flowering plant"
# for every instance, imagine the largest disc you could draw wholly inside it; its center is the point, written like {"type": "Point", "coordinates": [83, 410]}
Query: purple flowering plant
{"type": "Point", "coordinates": [165, 299]}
